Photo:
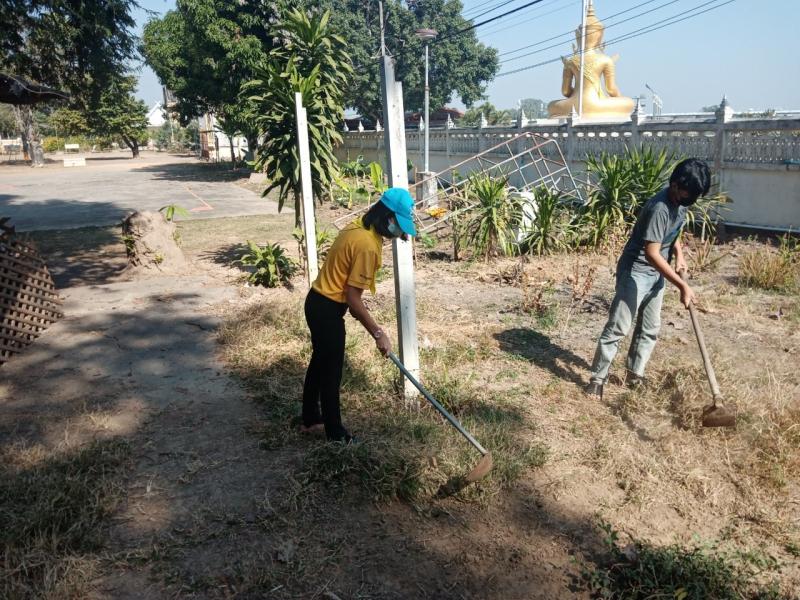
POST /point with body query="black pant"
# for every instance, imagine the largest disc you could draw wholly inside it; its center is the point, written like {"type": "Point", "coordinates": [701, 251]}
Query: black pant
{"type": "Point", "coordinates": [325, 320]}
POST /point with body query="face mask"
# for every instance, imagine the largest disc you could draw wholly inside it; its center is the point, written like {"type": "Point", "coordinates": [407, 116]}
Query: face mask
{"type": "Point", "coordinates": [687, 201]}
{"type": "Point", "coordinates": [394, 229]}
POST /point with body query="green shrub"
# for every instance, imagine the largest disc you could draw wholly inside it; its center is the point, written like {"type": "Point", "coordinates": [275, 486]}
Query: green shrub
{"type": "Point", "coordinates": [622, 183]}
{"type": "Point", "coordinates": [52, 144]}
{"type": "Point", "coordinates": [492, 220]}
{"type": "Point", "coordinates": [324, 240]}
{"type": "Point", "coordinates": [353, 168]}
{"type": "Point", "coordinates": [272, 265]}
{"type": "Point", "coordinates": [549, 229]}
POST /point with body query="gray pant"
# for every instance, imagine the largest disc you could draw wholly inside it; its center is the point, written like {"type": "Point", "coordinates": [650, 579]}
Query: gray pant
{"type": "Point", "coordinates": [638, 295]}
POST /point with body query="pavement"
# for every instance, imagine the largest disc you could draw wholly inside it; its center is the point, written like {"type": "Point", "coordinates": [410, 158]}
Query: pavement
{"type": "Point", "coordinates": [111, 186]}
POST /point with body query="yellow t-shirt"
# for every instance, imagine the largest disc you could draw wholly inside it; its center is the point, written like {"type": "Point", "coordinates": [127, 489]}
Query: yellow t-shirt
{"type": "Point", "coordinates": [353, 259]}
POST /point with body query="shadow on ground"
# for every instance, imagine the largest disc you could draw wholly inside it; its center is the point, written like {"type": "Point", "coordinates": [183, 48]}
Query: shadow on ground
{"type": "Point", "coordinates": [194, 172]}
{"type": "Point", "coordinates": [228, 256]}
{"type": "Point", "coordinates": [84, 256]}
{"type": "Point", "coordinates": [541, 351]}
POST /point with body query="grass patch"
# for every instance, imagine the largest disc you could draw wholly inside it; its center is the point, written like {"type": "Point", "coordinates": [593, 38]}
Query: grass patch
{"type": "Point", "coordinates": [770, 269]}
{"type": "Point", "coordinates": [52, 511]}
{"type": "Point", "coordinates": [642, 571]}
{"type": "Point", "coordinates": [405, 453]}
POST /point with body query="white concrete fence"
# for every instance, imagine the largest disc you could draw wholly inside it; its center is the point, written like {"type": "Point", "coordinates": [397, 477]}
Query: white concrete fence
{"type": "Point", "coordinates": [756, 158]}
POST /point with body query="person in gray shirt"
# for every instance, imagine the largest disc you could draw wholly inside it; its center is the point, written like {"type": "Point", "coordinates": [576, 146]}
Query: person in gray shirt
{"type": "Point", "coordinates": [641, 271]}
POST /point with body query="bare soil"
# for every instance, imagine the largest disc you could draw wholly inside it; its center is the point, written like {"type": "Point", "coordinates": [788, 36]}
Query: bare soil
{"type": "Point", "coordinates": [212, 511]}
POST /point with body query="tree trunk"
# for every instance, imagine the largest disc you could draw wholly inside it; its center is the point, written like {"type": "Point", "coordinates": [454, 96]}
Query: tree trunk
{"type": "Point", "coordinates": [30, 137]}
{"type": "Point", "coordinates": [133, 145]}
{"type": "Point", "coordinates": [252, 144]}
{"type": "Point", "coordinates": [233, 154]}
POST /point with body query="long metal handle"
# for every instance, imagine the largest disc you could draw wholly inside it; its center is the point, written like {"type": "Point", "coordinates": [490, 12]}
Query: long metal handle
{"type": "Point", "coordinates": [712, 378]}
{"type": "Point", "coordinates": [453, 421]}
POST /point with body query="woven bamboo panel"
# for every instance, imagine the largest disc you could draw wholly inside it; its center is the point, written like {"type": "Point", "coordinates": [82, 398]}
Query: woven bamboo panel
{"type": "Point", "coordinates": [29, 303]}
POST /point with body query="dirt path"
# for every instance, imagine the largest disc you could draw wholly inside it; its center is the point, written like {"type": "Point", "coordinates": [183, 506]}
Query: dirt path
{"type": "Point", "coordinates": [137, 359]}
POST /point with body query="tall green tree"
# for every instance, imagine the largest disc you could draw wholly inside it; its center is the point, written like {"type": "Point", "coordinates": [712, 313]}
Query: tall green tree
{"type": "Point", "coordinates": [75, 46]}
{"type": "Point", "coordinates": [314, 61]}
{"type": "Point", "coordinates": [68, 121]}
{"type": "Point", "coordinates": [205, 49]}
{"type": "Point", "coordinates": [118, 113]}
{"type": "Point", "coordinates": [460, 66]}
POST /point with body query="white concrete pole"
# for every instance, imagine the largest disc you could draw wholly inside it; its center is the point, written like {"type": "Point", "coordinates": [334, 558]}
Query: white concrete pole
{"type": "Point", "coordinates": [403, 256]}
{"type": "Point", "coordinates": [427, 116]}
{"type": "Point", "coordinates": [309, 222]}
{"type": "Point", "coordinates": [583, 51]}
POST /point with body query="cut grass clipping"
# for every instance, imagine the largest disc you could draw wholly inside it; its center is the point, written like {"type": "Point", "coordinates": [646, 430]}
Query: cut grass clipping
{"type": "Point", "coordinates": [405, 453]}
{"type": "Point", "coordinates": [52, 509]}
{"type": "Point", "coordinates": [642, 571]}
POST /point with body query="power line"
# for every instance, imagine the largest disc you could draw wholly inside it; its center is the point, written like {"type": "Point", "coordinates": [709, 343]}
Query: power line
{"type": "Point", "coordinates": [533, 18]}
{"type": "Point", "coordinates": [634, 34]}
{"type": "Point", "coordinates": [486, 22]}
{"type": "Point", "coordinates": [570, 33]}
{"type": "Point", "coordinates": [691, 10]}
{"type": "Point", "coordinates": [488, 10]}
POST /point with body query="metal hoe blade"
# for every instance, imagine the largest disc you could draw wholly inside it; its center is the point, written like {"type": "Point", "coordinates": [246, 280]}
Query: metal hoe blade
{"type": "Point", "coordinates": [485, 465]}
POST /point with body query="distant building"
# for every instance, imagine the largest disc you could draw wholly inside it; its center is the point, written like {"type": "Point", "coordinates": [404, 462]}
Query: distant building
{"type": "Point", "coordinates": [215, 145]}
{"type": "Point", "coordinates": [156, 116]}
{"type": "Point", "coordinates": [438, 117]}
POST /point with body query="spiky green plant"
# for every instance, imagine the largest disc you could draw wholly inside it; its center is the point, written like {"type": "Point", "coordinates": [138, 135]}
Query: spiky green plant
{"type": "Point", "coordinates": [621, 185]}
{"type": "Point", "coordinates": [314, 62]}
{"type": "Point", "coordinates": [272, 265]}
{"type": "Point", "coordinates": [549, 228]}
{"type": "Point", "coordinates": [494, 216]}
{"type": "Point", "coordinates": [650, 173]}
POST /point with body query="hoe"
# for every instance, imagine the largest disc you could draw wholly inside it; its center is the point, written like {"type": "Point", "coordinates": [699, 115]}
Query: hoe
{"type": "Point", "coordinates": [485, 465]}
{"type": "Point", "coordinates": [715, 414]}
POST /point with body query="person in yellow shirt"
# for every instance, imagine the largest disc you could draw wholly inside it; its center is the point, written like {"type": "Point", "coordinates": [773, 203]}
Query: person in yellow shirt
{"type": "Point", "coordinates": [349, 269]}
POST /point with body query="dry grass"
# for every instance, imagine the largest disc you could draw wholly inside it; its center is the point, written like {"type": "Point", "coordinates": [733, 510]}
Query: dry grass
{"type": "Point", "coordinates": [52, 513]}
{"type": "Point", "coordinates": [410, 454]}
{"type": "Point", "coordinates": [772, 269]}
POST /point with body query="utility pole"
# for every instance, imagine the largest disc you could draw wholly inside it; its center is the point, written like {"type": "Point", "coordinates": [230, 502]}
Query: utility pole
{"type": "Point", "coordinates": [402, 251]}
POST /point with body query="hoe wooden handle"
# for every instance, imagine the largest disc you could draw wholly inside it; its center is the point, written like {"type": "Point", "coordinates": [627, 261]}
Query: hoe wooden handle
{"type": "Point", "coordinates": [712, 378]}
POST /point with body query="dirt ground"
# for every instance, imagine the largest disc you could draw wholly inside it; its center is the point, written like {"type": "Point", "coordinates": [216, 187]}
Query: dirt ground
{"type": "Point", "coordinates": [209, 510]}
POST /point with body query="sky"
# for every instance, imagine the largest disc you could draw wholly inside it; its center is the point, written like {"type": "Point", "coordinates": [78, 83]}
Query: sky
{"type": "Point", "coordinates": [743, 50]}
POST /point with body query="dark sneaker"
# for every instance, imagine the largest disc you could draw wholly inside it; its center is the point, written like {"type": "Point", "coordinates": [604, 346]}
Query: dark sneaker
{"type": "Point", "coordinates": [313, 429]}
{"type": "Point", "coordinates": [346, 439]}
{"type": "Point", "coordinates": [594, 389]}
{"type": "Point", "coordinates": [634, 381]}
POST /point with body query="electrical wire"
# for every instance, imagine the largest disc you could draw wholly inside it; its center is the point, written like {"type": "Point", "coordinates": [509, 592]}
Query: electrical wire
{"type": "Point", "coordinates": [486, 22]}
{"type": "Point", "coordinates": [533, 18]}
{"type": "Point", "coordinates": [488, 10]}
{"type": "Point", "coordinates": [633, 34]}
{"type": "Point", "coordinates": [571, 33]}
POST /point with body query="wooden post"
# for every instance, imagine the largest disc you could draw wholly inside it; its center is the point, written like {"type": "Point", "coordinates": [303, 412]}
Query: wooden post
{"type": "Point", "coordinates": [309, 222]}
{"type": "Point", "coordinates": [403, 257]}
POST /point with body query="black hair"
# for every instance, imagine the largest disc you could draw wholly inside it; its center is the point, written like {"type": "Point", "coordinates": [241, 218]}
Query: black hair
{"type": "Point", "coordinates": [378, 216]}
{"type": "Point", "coordinates": [692, 175]}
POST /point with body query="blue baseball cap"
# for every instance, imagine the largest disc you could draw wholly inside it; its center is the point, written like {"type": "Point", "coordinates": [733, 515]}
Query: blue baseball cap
{"type": "Point", "coordinates": [400, 202]}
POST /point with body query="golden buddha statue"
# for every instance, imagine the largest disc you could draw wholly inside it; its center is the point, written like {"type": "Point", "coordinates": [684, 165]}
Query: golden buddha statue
{"type": "Point", "coordinates": [598, 104]}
